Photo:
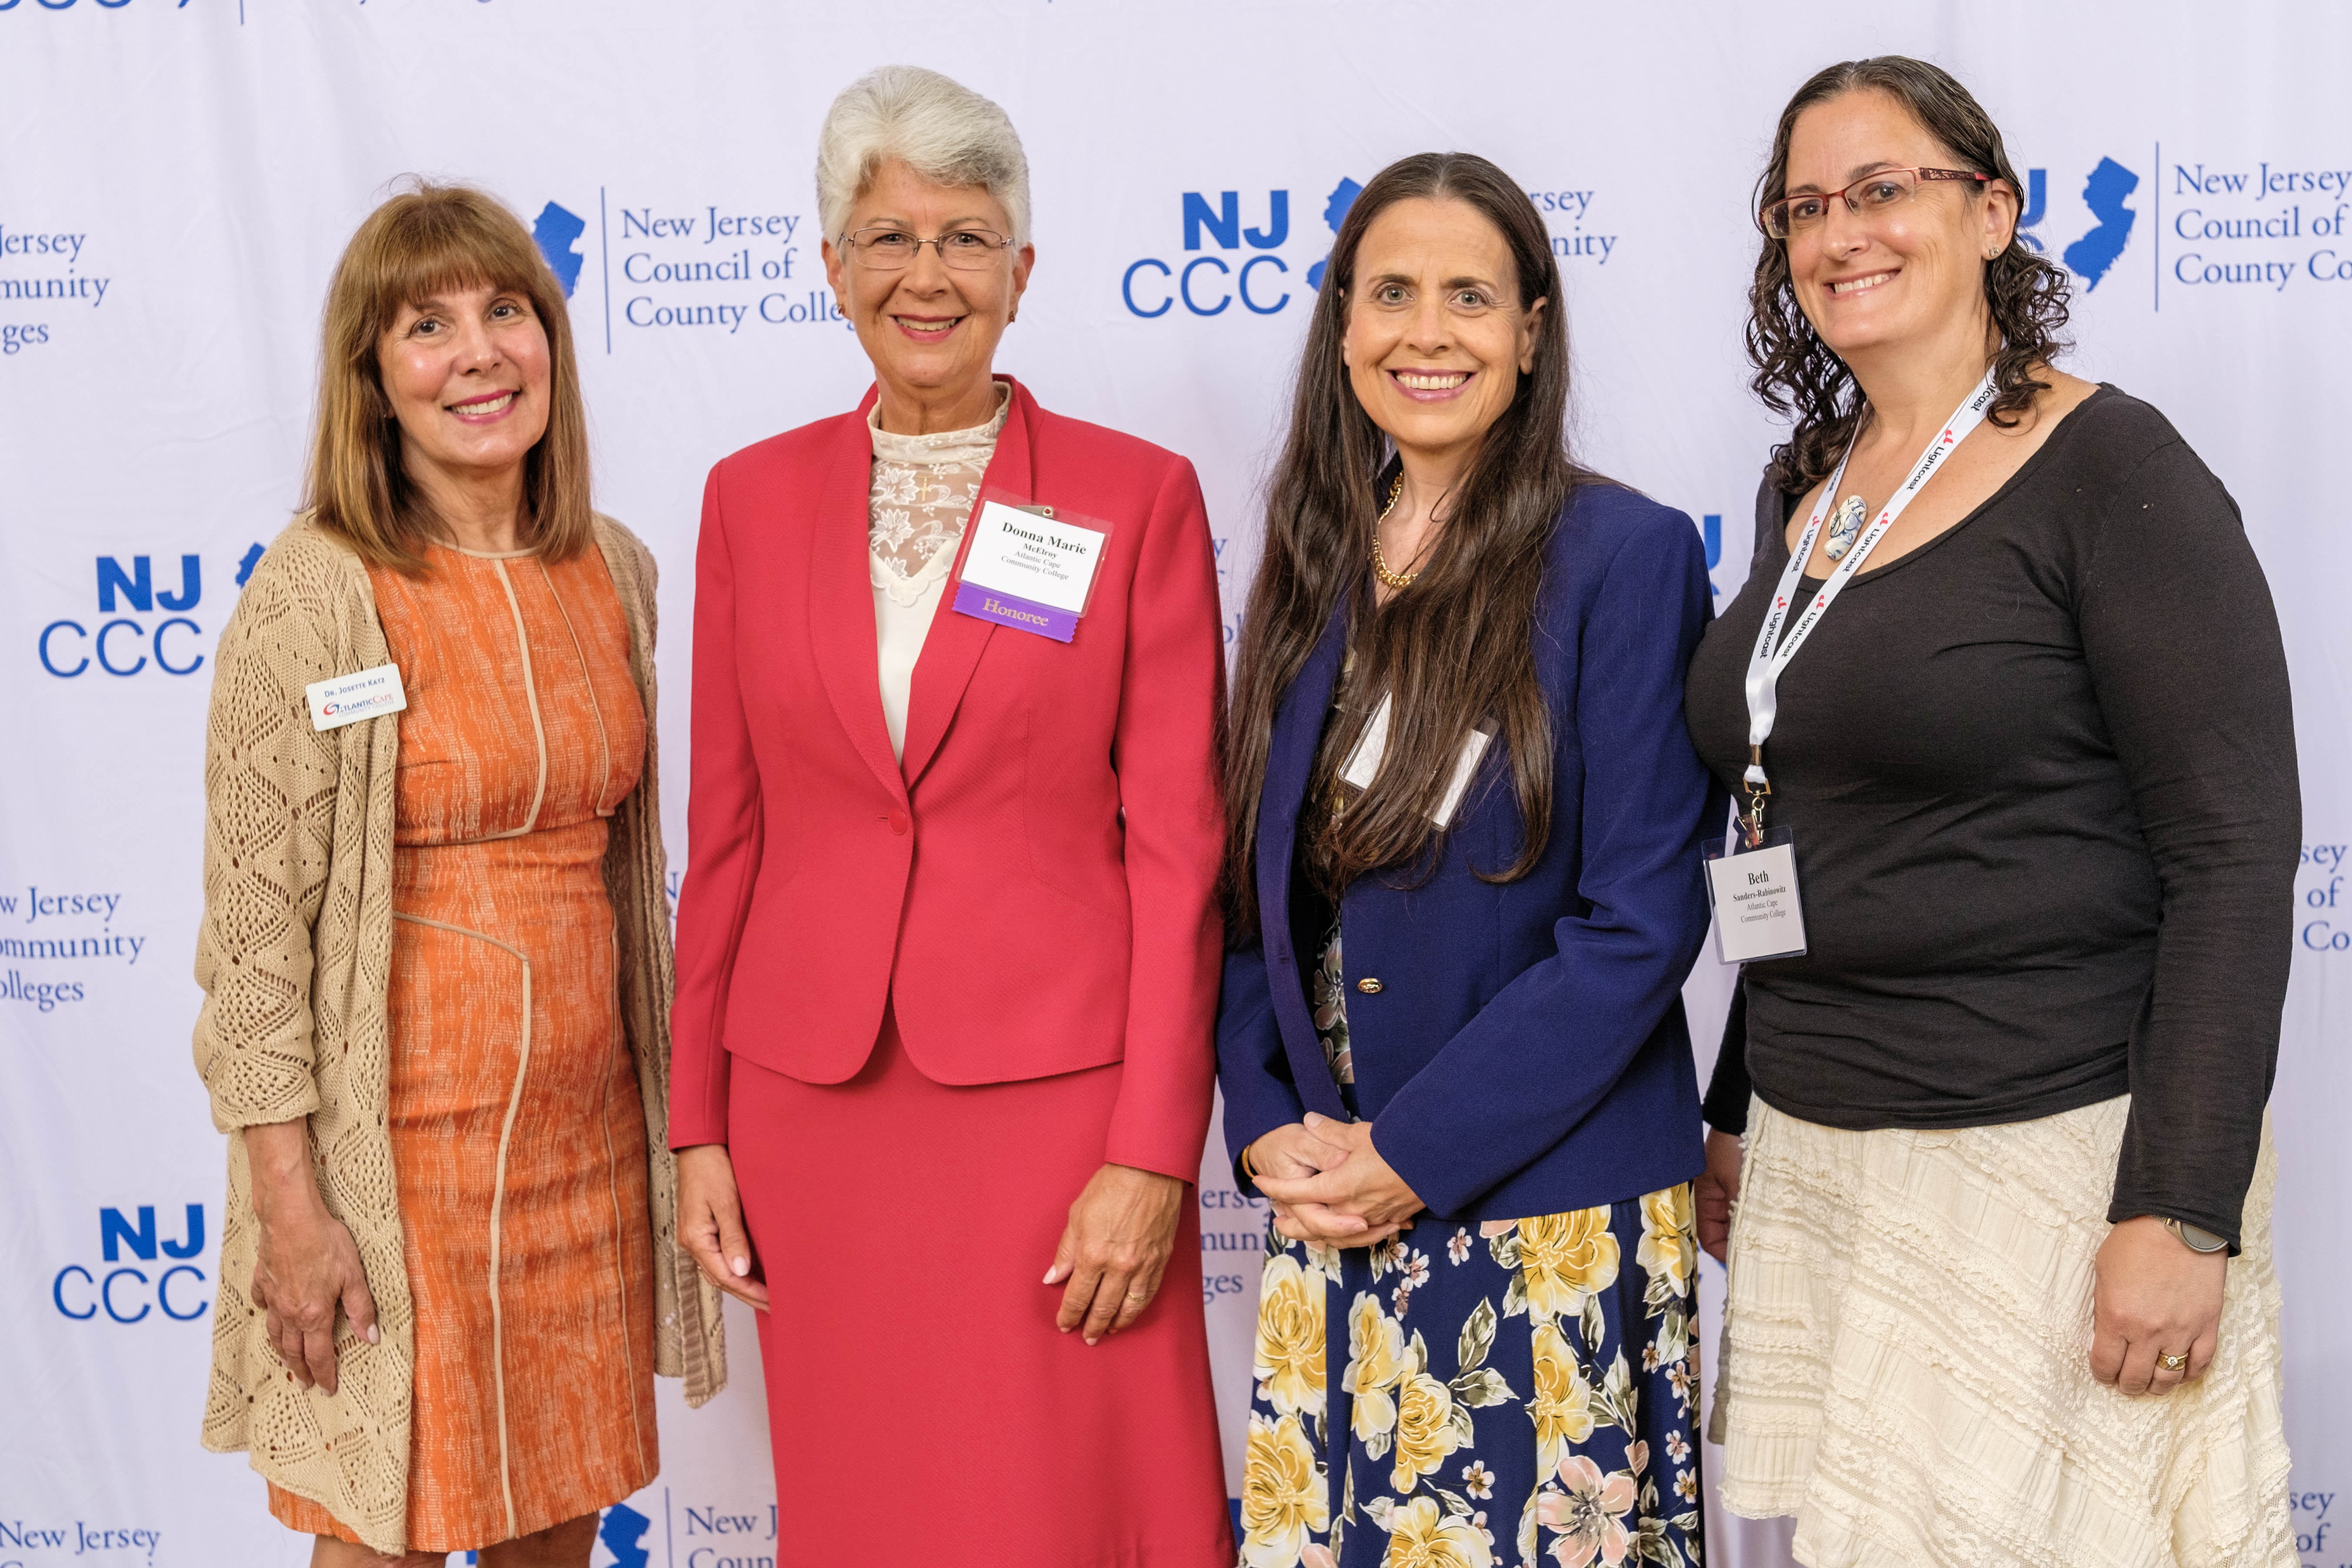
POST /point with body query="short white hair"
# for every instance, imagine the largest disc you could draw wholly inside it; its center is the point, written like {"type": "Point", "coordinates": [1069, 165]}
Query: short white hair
{"type": "Point", "coordinates": [941, 130]}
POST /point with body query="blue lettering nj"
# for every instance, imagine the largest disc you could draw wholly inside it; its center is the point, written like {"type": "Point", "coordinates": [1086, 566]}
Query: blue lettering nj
{"type": "Point", "coordinates": [2037, 204]}
{"type": "Point", "coordinates": [2104, 194]}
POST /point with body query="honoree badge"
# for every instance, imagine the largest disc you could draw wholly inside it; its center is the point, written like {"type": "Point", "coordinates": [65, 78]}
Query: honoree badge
{"type": "Point", "coordinates": [1028, 571]}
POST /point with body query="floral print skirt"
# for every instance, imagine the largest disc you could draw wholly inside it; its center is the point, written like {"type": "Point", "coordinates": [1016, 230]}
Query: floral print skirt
{"type": "Point", "coordinates": [1503, 1391]}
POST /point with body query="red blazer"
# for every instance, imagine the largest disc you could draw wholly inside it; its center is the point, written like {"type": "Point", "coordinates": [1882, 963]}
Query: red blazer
{"type": "Point", "coordinates": [1033, 892]}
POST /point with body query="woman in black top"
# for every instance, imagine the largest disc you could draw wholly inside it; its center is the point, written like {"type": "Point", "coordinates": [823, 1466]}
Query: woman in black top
{"type": "Point", "coordinates": [2006, 1164]}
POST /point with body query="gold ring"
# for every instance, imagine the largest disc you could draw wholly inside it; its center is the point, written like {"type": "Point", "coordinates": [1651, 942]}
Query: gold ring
{"type": "Point", "coordinates": [2172, 1363]}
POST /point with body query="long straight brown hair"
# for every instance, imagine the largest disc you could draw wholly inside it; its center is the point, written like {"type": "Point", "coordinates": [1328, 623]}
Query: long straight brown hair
{"type": "Point", "coordinates": [425, 241]}
{"type": "Point", "coordinates": [1456, 650]}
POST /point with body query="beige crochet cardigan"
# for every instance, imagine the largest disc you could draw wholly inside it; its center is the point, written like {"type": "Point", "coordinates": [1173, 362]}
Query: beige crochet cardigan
{"type": "Point", "coordinates": [293, 958]}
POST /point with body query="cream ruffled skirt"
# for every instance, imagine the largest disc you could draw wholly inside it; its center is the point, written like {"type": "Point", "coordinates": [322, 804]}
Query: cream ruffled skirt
{"type": "Point", "coordinates": [1905, 1365]}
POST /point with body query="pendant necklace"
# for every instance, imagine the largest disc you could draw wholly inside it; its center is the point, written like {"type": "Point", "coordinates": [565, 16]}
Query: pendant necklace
{"type": "Point", "coordinates": [1844, 524]}
{"type": "Point", "coordinates": [1381, 566]}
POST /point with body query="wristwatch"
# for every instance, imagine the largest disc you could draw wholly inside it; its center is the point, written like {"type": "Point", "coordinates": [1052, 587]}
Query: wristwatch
{"type": "Point", "coordinates": [2196, 1239]}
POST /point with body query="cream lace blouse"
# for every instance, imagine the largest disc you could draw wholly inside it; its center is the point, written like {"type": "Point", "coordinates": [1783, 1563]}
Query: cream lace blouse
{"type": "Point", "coordinates": [924, 490]}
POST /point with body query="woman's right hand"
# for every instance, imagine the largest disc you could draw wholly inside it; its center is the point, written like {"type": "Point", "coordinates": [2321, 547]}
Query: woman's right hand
{"type": "Point", "coordinates": [710, 1223]}
{"type": "Point", "coordinates": [1715, 1191]}
{"type": "Point", "coordinates": [307, 1265]}
{"type": "Point", "coordinates": [1294, 1153]}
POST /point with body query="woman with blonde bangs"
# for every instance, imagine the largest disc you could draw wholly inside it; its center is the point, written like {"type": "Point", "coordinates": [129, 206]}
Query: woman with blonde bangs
{"type": "Point", "coordinates": [436, 948]}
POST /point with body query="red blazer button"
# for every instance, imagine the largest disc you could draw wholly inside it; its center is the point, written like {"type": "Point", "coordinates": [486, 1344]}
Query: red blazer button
{"type": "Point", "coordinates": [898, 822]}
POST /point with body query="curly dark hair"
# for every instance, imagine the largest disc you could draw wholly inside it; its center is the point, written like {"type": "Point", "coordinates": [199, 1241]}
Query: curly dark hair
{"type": "Point", "coordinates": [1796, 373]}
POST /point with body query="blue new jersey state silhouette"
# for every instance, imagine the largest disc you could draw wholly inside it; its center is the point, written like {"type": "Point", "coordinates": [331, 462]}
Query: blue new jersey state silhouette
{"type": "Point", "coordinates": [2104, 194]}
{"type": "Point", "coordinates": [553, 234]}
{"type": "Point", "coordinates": [1334, 211]}
{"type": "Point", "coordinates": [622, 1533]}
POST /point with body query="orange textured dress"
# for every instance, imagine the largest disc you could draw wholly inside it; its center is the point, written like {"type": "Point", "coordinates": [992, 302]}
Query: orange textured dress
{"type": "Point", "coordinates": [518, 1133]}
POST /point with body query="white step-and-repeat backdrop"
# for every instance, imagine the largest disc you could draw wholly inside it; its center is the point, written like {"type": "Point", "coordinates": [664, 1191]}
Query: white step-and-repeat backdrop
{"type": "Point", "coordinates": [178, 179]}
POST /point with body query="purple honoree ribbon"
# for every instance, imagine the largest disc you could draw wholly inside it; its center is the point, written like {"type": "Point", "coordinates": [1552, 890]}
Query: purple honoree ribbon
{"type": "Point", "coordinates": [1022, 615]}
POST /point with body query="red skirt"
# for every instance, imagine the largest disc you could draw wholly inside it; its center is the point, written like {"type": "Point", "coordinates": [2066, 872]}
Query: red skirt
{"type": "Point", "coordinates": [924, 1407]}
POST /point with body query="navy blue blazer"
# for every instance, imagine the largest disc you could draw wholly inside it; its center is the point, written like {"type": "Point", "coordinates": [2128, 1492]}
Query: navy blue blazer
{"type": "Point", "coordinates": [1526, 1052]}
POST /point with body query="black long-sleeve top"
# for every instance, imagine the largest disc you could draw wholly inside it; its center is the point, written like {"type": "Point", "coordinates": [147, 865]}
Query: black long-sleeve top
{"type": "Point", "coordinates": [2041, 776]}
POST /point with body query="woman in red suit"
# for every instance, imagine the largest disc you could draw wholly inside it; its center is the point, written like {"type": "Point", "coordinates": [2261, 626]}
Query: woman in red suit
{"type": "Point", "coordinates": [948, 954]}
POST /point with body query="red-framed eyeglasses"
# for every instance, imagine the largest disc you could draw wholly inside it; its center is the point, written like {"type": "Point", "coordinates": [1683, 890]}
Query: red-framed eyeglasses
{"type": "Point", "coordinates": [1877, 191]}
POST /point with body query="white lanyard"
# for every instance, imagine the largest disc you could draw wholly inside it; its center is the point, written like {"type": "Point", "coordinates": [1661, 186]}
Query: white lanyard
{"type": "Point", "coordinates": [1766, 663]}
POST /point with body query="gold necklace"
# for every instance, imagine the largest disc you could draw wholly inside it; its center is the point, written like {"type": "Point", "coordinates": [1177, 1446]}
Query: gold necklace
{"type": "Point", "coordinates": [1380, 566]}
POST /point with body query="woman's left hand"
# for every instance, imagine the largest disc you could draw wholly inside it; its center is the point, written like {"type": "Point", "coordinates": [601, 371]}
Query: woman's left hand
{"type": "Point", "coordinates": [1121, 1233]}
{"type": "Point", "coordinates": [2154, 1297]}
{"type": "Point", "coordinates": [1362, 1184]}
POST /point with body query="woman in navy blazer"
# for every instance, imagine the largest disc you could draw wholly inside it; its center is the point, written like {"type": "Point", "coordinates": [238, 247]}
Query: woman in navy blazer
{"type": "Point", "coordinates": [1477, 1117]}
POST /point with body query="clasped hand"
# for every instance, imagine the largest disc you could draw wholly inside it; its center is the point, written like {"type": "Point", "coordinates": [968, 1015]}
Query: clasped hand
{"type": "Point", "coordinates": [1329, 1185]}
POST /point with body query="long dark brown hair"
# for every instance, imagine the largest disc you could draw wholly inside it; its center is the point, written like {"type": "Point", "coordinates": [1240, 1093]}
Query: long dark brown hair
{"type": "Point", "coordinates": [1796, 373]}
{"type": "Point", "coordinates": [1457, 648]}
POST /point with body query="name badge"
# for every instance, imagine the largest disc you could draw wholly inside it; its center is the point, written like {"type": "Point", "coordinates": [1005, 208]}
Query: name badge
{"type": "Point", "coordinates": [1029, 571]}
{"type": "Point", "coordinates": [347, 698]}
{"type": "Point", "coordinates": [1364, 762]}
{"type": "Point", "coordinates": [1758, 912]}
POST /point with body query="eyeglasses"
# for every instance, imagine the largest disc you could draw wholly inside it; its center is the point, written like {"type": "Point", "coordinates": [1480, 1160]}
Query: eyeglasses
{"type": "Point", "coordinates": [1872, 195]}
{"type": "Point", "coordinates": [893, 250]}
